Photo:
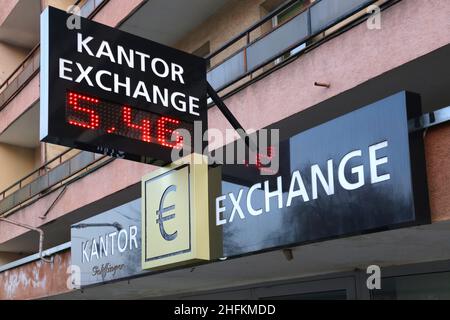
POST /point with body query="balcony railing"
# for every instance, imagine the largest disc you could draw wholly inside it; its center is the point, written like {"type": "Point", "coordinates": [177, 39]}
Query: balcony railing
{"type": "Point", "coordinates": [306, 25]}
{"type": "Point", "coordinates": [29, 67]}
{"type": "Point", "coordinates": [320, 16]}
{"type": "Point", "coordinates": [253, 56]}
{"type": "Point", "coordinates": [19, 77]}
{"type": "Point", "coordinates": [64, 168]}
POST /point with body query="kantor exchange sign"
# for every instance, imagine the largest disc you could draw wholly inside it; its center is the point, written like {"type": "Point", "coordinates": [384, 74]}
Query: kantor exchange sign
{"type": "Point", "coordinates": [108, 91]}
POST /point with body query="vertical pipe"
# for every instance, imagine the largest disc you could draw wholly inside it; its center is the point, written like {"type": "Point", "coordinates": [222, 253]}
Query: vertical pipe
{"type": "Point", "coordinates": [41, 236]}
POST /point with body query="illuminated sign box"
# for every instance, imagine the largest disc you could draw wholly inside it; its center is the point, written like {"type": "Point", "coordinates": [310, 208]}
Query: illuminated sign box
{"type": "Point", "coordinates": [361, 172]}
{"type": "Point", "coordinates": [177, 228]}
{"type": "Point", "coordinates": [108, 91]}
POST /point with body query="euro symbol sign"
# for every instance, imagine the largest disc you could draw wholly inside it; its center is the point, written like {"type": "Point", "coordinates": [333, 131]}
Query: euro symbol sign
{"type": "Point", "coordinates": [161, 218]}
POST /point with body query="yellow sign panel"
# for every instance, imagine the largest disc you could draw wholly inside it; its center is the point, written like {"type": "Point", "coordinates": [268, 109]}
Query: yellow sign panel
{"type": "Point", "coordinates": [175, 215]}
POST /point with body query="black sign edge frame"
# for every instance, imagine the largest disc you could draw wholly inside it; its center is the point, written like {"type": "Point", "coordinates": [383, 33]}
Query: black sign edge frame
{"type": "Point", "coordinates": [417, 162]}
{"type": "Point", "coordinates": [49, 134]}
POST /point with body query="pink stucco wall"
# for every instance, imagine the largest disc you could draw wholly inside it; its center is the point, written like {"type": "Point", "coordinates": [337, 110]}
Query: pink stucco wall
{"type": "Point", "coordinates": [37, 279]}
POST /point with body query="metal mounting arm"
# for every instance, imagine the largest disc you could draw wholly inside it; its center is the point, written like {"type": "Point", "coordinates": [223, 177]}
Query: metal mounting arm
{"type": "Point", "coordinates": [230, 117]}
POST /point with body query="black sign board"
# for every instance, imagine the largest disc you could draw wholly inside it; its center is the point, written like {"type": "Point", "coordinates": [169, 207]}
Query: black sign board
{"type": "Point", "coordinates": [362, 172]}
{"type": "Point", "coordinates": [108, 91]}
{"type": "Point", "coordinates": [107, 247]}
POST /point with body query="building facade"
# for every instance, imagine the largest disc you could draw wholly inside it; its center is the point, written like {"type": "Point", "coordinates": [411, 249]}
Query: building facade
{"type": "Point", "coordinates": [334, 77]}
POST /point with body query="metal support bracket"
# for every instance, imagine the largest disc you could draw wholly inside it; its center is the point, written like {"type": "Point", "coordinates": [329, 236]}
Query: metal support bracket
{"type": "Point", "coordinates": [430, 119]}
{"type": "Point", "coordinates": [230, 117]}
{"type": "Point", "coordinates": [54, 202]}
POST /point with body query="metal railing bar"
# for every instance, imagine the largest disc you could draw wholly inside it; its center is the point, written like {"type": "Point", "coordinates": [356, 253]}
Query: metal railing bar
{"type": "Point", "coordinates": [17, 91]}
{"type": "Point", "coordinates": [14, 75]}
{"type": "Point", "coordinates": [69, 182]}
{"type": "Point", "coordinates": [308, 48]}
{"type": "Point", "coordinates": [42, 167]}
{"type": "Point", "coordinates": [97, 9]}
{"type": "Point", "coordinates": [306, 9]}
{"type": "Point", "coordinates": [71, 174]}
{"type": "Point", "coordinates": [249, 43]}
{"type": "Point", "coordinates": [24, 61]}
{"type": "Point", "coordinates": [305, 40]}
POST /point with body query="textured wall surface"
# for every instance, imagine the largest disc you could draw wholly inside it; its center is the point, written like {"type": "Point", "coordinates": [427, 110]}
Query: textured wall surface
{"type": "Point", "coordinates": [437, 148]}
{"type": "Point", "coordinates": [37, 279]}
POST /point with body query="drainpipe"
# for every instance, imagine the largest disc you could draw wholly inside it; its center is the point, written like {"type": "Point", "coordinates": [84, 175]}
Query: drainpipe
{"type": "Point", "coordinates": [41, 236]}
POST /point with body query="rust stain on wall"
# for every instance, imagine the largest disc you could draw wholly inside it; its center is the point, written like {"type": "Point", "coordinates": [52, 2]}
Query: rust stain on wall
{"type": "Point", "coordinates": [36, 279]}
{"type": "Point", "coordinates": [437, 151]}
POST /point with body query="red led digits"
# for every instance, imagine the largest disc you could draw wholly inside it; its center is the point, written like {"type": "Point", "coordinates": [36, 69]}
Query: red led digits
{"type": "Point", "coordinates": [144, 128]}
{"type": "Point", "coordinates": [165, 133]}
{"type": "Point", "coordinates": [269, 157]}
{"type": "Point", "coordinates": [74, 102]}
{"type": "Point", "coordinates": [111, 118]}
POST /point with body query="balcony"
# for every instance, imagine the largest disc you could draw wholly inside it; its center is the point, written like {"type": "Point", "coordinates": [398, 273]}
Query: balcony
{"type": "Point", "coordinates": [303, 30]}
{"type": "Point", "coordinates": [19, 135]}
{"type": "Point", "coordinates": [54, 174]}
{"type": "Point", "coordinates": [254, 51]}
{"type": "Point", "coordinates": [21, 29]}
{"type": "Point", "coordinates": [22, 134]}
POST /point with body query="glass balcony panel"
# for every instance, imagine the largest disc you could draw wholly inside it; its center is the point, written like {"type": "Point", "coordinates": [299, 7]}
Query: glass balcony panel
{"type": "Point", "coordinates": [227, 72]}
{"type": "Point", "coordinates": [326, 12]}
{"type": "Point", "coordinates": [278, 41]}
